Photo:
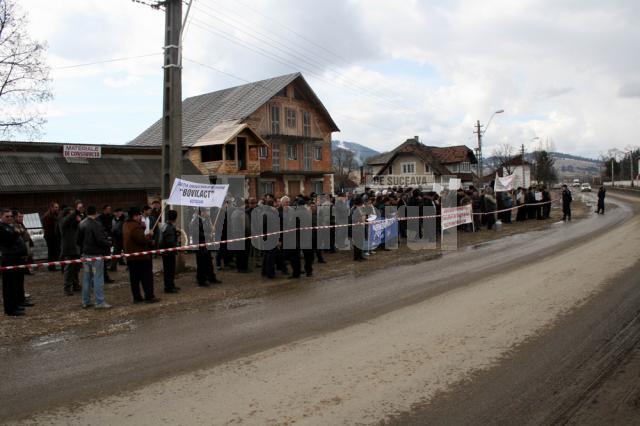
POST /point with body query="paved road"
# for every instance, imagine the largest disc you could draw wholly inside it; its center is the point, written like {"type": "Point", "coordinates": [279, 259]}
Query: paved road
{"type": "Point", "coordinates": [570, 345]}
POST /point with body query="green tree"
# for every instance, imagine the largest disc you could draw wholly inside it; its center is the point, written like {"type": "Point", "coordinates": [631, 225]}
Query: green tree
{"type": "Point", "coordinates": [545, 171]}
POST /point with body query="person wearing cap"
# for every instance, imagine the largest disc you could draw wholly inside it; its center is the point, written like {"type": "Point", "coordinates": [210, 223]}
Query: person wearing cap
{"type": "Point", "coordinates": [140, 266]}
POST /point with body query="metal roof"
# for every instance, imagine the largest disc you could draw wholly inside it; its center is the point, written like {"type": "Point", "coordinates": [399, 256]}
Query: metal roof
{"type": "Point", "coordinates": [200, 114]}
{"type": "Point", "coordinates": [41, 172]}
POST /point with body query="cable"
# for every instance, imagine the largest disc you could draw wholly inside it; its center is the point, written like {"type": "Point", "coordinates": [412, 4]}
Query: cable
{"type": "Point", "coordinates": [302, 52]}
{"type": "Point", "coordinates": [199, 24]}
{"type": "Point", "coordinates": [106, 61]}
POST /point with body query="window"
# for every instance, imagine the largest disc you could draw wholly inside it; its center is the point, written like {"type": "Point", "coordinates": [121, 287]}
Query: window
{"type": "Point", "coordinates": [267, 187]}
{"type": "Point", "coordinates": [317, 153]}
{"type": "Point", "coordinates": [317, 186]}
{"type": "Point", "coordinates": [390, 169]}
{"type": "Point", "coordinates": [297, 95]}
{"type": "Point", "coordinates": [275, 157]}
{"type": "Point", "coordinates": [291, 118]}
{"type": "Point", "coordinates": [306, 123]}
{"type": "Point", "coordinates": [427, 169]}
{"type": "Point", "coordinates": [292, 152]}
{"type": "Point", "coordinates": [465, 166]}
{"type": "Point", "coordinates": [408, 168]}
{"type": "Point", "coordinates": [453, 168]}
{"type": "Point", "coordinates": [275, 119]}
{"type": "Point", "coordinates": [230, 151]}
{"type": "Point", "coordinates": [263, 152]}
{"type": "Point", "coordinates": [211, 153]}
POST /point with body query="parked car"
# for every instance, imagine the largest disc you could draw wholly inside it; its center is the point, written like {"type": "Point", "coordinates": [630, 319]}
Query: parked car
{"type": "Point", "coordinates": [585, 187]}
{"type": "Point", "coordinates": [576, 182]}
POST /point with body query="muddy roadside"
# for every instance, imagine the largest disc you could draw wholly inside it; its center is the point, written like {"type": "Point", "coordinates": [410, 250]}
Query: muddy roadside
{"type": "Point", "coordinates": [58, 317]}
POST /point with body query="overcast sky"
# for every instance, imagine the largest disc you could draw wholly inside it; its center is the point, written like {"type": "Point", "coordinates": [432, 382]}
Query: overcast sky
{"type": "Point", "coordinates": [563, 71]}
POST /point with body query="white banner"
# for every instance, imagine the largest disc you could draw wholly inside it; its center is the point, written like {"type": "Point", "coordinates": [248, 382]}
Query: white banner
{"type": "Point", "coordinates": [185, 193]}
{"type": "Point", "coordinates": [503, 184]}
{"type": "Point", "coordinates": [454, 184]}
{"type": "Point", "coordinates": [81, 151]}
{"type": "Point", "coordinates": [454, 216]}
{"type": "Point", "coordinates": [437, 188]}
{"type": "Point", "coordinates": [403, 180]}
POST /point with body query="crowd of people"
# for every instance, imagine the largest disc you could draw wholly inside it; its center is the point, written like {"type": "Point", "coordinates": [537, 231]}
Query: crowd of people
{"type": "Point", "coordinates": [270, 234]}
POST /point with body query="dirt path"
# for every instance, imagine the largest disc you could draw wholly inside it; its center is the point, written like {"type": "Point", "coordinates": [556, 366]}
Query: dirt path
{"type": "Point", "coordinates": [370, 371]}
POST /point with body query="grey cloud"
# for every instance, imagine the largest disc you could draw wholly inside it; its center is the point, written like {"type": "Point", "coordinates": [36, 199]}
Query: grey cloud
{"type": "Point", "coordinates": [630, 90]}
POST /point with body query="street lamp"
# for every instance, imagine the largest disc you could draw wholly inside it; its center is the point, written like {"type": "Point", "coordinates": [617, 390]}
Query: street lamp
{"type": "Point", "coordinates": [480, 133]}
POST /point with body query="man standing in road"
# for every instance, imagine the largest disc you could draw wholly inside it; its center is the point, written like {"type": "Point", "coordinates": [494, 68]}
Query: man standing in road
{"type": "Point", "coordinates": [93, 242]}
{"type": "Point", "coordinates": [601, 194]}
{"type": "Point", "coordinates": [566, 203]}
{"type": "Point", "coordinates": [49, 225]}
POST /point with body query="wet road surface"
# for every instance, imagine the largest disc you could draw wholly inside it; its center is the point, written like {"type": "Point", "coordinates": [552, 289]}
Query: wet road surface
{"type": "Point", "coordinates": [64, 373]}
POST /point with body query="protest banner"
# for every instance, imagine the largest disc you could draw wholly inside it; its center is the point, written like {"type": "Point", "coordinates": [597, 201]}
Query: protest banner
{"type": "Point", "coordinates": [437, 188]}
{"type": "Point", "coordinates": [454, 216]}
{"type": "Point", "coordinates": [503, 184]}
{"type": "Point", "coordinates": [186, 193]}
{"type": "Point", "coordinates": [454, 184]}
{"type": "Point", "coordinates": [537, 196]}
{"type": "Point", "coordinates": [382, 231]}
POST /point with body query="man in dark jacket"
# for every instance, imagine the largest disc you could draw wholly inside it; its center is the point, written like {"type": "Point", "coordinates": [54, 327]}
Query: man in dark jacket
{"type": "Point", "coordinates": [93, 244]}
{"type": "Point", "coordinates": [566, 203]}
{"type": "Point", "coordinates": [106, 220]}
{"type": "Point", "coordinates": [169, 238]}
{"type": "Point", "coordinates": [201, 228]}
{"type": "Point", "coordinates": [49, 225]}
{"type": "Point", "coordinates": [601, 194]}
{"type": "Point", "coordinates": [546, 198]}
{"type": "Point", "coordinates": [14, 252]}
{"type": "Point", "coordinates": [68, 226]}
{"type": "Point", "coordinates": [116, 235]}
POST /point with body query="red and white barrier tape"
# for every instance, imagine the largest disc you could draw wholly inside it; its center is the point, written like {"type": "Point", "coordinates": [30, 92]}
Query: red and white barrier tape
{"type": "Point", "coordinates": [233, 240]}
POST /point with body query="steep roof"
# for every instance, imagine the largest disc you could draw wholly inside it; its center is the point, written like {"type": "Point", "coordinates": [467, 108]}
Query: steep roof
{"type": "Point", "coordinates": [453, 154]}
{"type": "Point", "coordinates": [202, 113]}
{"type": "Point", "coordinates": [413, 146]}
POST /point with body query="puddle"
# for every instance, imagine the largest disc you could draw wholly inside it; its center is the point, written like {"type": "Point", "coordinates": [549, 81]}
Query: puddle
{"type": "Point", "coordinates": [50, 339]}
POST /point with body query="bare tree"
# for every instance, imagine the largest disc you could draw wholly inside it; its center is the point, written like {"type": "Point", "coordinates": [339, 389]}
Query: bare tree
{"type": "Point", "coordinates": [503, 155]}
{"type": "Point", "coordinates": [24, 74]}
{"type": "Point", "coordinates": [343, 164]}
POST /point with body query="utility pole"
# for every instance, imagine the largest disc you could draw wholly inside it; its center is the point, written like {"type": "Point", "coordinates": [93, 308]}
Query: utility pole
{"type": "Point", "coordinates": [631, 165]}
{"type": "Point", "coordinates": [172, 97]}
{"type": "Point", "coordinates": [522, 163]}
{"type": "Point", "coordinates": [480, 167]}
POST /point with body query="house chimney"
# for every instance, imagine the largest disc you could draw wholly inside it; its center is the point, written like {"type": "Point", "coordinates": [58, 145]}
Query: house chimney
{"type": "Point", "coordinates": [417, 138]}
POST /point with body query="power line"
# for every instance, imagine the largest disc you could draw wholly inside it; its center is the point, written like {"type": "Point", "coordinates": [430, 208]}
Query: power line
{"type": "Point", "coordinates": [106, 61]}
{"type": "Point", "coordinates": [284, 61]}
{"type": "Point", "coordinates": [308, 56]}
{"type": "Point", "coordinates": [244, 80]}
